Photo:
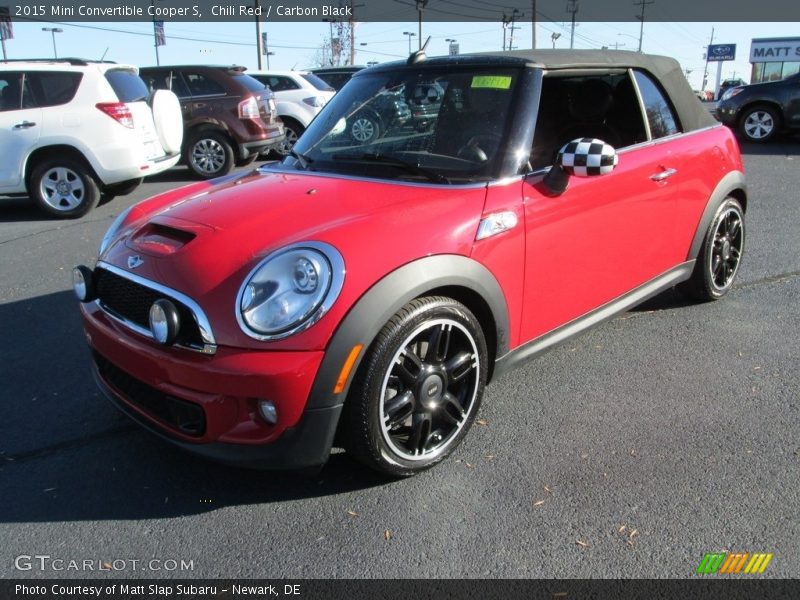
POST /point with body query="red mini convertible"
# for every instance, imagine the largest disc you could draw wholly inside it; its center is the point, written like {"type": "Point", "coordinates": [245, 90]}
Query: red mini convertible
{"type": "Point", "coordinates": [363, 293]}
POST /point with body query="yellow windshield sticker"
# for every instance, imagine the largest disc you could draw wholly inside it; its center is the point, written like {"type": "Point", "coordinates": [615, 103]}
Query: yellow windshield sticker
{"type": "Point", "coordinates": [495, 82]}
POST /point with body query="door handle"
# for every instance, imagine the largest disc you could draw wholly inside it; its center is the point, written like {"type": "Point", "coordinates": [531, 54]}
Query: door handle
{"type": "Point", "coordinates": [663, 174]}
{"type": "Point", "coordinates": [24, 125]}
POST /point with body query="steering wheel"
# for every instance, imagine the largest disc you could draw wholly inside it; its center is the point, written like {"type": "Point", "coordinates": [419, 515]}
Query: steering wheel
{"type": "Point", "coordinates": [475, 148]}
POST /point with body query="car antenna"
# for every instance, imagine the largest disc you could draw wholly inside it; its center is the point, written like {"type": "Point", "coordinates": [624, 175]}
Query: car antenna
{"type": "Point", "coordinates": [419, 55]}
{"type": "Point", "coordinates": [104, 54]}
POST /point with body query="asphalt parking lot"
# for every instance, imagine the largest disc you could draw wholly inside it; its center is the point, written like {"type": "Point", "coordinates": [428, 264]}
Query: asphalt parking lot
{"type": "Point", "coordinates": [669, 432]}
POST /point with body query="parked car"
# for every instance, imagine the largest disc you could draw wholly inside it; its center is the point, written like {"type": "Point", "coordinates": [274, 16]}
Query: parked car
{"type": "Point", "coordinates": [72, 130]}
{"type": "Point", "coordinates": [728, 84]}
{"type": "Point", "coordinates": [299, 96]}
{"type": "Point", "coordinates": [229, 118]}
{"type": "Point", "coordinates": [364, 294]}
{"type": "Point", "coordinates": [336, 77]}
{"type": "Point", "coordinates": [760, 111]}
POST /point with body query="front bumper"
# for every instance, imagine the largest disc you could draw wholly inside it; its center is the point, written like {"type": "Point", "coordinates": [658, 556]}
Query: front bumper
{"type": "Point", "coordinates": [727, 113]}
{"type": "Point", "coordinates": [154, 385]}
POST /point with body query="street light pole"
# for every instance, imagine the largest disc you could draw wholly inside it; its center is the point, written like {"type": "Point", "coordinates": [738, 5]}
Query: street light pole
{"type": "Point", "coordinates": [53, 31]}
{"type": "Point", "coordinates": [421, 4]}
{"type": "Point", "coordinates": [259, 47]}
{"type": "Point", "coordinates": [410, 34]}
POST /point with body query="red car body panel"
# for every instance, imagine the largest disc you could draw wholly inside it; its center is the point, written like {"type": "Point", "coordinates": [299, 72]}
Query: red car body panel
{"type": "Point", "coordinates": [244, 220]}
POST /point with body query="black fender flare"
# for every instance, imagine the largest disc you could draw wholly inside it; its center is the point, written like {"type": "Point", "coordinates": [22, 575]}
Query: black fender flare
{"type": "Point", "coordinates": [731, 182]}
{"type": "Point", "coordinates": [372, 311]}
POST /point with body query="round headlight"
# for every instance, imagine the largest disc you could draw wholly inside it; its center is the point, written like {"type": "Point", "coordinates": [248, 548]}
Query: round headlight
{"type": "Point", "coordinates": [82, 283]}
{"type": "Point", "coordinates": [164, 322]}
{"type": "Point", "coordinates": [290, 290]}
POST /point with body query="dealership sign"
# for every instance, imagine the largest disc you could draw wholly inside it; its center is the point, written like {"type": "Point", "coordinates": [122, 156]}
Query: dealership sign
{"type": "Point", "coordinates": [722, 52]}
{"type": "Point", "coordinates": [775, 50]}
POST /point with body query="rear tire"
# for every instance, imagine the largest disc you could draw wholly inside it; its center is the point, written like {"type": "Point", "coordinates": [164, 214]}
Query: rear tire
{"type": "Point", "coordinates": [63, 187]}
{"type": "Point", "coordinates": [418, 389]}
{"type": "Point", "coordinates": [720, 255]}
{"type": "Point", "coordinates": [209, 154]}
{"type": "Point", "coordinates": [293, 131]}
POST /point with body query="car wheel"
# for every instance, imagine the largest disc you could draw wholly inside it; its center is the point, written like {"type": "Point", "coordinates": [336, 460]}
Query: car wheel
{"type": "Point", "coordinates": [209, 154]}
{"type": "Point", "coordinates": [293, 132]}
{"type": "Point", "coordinates": [364, 129]}
{"type": "Point", "coordinates": [418, 389]}
{"type": "Point", "coordinates": [63, 187]}
{"type": "Point", "coordinates": [759, 124]}
{"type": "Point", "coordinates": [720, 254]}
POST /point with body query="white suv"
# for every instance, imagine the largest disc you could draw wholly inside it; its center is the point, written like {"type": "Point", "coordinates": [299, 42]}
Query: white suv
{"type": "Point", "coordinates": [73, 130]}
{"type": "Point", "coordinates": [300, 96]}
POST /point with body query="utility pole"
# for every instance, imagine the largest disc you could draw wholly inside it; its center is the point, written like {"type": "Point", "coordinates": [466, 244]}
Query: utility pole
{"type": "Point", "coordinates": [644, 4]}
{"type": "Point", "coordinates": [259, 46]}
{"type": "Point", "coordinates": [514, 16]}
{"type": "Point", "coordinates": [705, 71]}
{"type": "Point", "coordinates": [572, 7]}
{"type": "Point", "coordinates": [505, 22]}
{"type": "Point", "coordinates": [352, 34]}
{"type": "Point", "coordinates": [421, 4]}
{"type": "Point", "coordinates": [533, 24]}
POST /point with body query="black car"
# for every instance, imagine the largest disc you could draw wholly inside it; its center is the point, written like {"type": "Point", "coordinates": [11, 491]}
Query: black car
{"type": "Point", "coordinates": [336, 77]}
{"type": "Point", "coordinates": [759, 112]}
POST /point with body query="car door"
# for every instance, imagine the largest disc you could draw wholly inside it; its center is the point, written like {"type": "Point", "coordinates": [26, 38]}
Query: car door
{"type": "Point", "coordinates": [20, 128]}
{"type": "Point", "coordinates": [604, 235]}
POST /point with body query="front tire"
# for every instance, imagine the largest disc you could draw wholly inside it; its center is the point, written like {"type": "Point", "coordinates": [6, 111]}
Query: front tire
{"type": "Point", "coordinates": [63, 187]}
{"type": "Point", "coordinates": [418, 389]}
{"type": "Point", "coordinates": [209, 154]}
{"type": "Point", "coordinates": [759, 124]}
{"type": "Point", "coordinates": [720, 255]}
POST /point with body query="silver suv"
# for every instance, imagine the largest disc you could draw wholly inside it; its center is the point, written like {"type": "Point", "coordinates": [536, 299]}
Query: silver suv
{"type": "Point", "coordinates": [73, 130]}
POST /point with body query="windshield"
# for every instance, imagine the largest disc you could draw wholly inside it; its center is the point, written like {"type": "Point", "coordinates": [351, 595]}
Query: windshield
{"type": "Point", "coordinates": [413, 124]}
{"type": "Point", "coordinates": [318, 83]}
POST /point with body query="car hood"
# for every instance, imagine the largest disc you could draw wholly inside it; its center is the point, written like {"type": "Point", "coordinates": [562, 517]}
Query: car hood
{"type": "Point", "coordinates": [204, 243]}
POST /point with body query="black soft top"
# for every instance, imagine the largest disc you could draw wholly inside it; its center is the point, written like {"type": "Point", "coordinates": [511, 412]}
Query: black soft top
{"type": "Point", "coordinates": [691, 113]}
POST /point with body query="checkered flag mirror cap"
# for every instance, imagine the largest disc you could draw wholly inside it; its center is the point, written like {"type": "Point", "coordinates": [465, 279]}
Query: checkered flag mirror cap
{"type": "Point", "coordinates": [586, 157]}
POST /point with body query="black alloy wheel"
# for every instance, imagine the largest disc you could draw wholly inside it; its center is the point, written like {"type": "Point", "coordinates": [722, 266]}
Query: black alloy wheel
{"type": "Point", "coordinates": [419, 388]}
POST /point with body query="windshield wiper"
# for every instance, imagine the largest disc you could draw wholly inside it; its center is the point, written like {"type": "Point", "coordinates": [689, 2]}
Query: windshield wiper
{"type": "Point", "coordinates": [409, 166]}
{"type": "Point", "coordinates": [301, 158]}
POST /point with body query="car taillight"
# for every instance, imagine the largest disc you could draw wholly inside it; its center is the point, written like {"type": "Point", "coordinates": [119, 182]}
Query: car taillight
{"type": "Point", "coordinates": [315, 101]}
{"type": "Point", "coordinates": [119, 111]}
{"type": "Point", "coordinates": [248, 109]}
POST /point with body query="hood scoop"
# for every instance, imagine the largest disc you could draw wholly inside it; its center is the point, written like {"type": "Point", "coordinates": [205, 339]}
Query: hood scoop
{"type": "Point", "coordinates": [157, 239]}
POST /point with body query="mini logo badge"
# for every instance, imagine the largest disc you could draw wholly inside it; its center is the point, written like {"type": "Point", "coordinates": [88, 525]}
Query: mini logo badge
{"type": "Point", "coordinates": [135, 261]}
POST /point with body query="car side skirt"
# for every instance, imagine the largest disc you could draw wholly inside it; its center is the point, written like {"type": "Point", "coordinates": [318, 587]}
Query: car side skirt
{"type": "Point", "coordinates": [550, 340]}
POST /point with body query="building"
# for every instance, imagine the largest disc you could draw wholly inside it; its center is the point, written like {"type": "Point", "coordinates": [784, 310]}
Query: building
{"type": "Point", "coordinates": [774, 58]}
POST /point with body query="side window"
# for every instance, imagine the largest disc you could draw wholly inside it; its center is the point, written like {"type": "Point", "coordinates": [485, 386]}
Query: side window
{"type": "Point", "coordinates": [177, 85]}
{"type": "Point", "coordinates": [281, 84]}
{"type": "Point", "coordinates": [53, 89]}
{"type": "Point", "coordinates": [10, 91]}
{"type": "Point", "coordinates": [602, 105]}
{"type": "Point", "coordinates": [200, 85]}
{"type": "Point", "coordinates": [659, 113]}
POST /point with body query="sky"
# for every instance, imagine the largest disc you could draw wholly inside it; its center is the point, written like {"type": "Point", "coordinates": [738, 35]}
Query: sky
{"type": "Point", "coordinates": [296, 45]}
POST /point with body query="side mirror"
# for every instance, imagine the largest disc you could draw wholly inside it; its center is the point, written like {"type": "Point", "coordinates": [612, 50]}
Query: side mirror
{"type": "Point", "coordinates": [582, 157]}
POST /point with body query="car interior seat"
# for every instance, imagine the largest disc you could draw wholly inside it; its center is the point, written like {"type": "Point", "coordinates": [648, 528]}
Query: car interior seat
{"type": "Point", "coordinates": [588, 104]}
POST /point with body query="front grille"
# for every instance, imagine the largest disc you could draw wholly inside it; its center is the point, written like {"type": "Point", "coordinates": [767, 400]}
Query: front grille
{"type": "Point", "coordinates": [131, 301]}
{"type": "Point", "coordinates": [186, 417]}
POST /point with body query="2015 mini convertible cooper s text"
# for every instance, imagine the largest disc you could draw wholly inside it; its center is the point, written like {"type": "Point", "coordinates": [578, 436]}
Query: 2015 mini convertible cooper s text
{"type": "Point", "coordinates": [363, 293]}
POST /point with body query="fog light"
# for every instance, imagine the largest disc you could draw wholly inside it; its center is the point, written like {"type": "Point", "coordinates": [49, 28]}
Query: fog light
{"type": "Point", "coordinates": [164, 322]}
{"type": "Point", "coordinates": [82, 283]}
{"type": "Point", "coordinates": [268, 411]}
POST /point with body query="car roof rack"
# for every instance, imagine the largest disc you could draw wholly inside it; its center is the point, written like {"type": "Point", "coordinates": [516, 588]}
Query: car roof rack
{"type": "Point", "coordinates": [76, 62]}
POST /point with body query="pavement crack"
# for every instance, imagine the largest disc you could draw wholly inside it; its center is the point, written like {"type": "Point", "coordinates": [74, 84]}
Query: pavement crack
{"type": "Point", "coordinates": [58, 228]}
{"type": "Point", "coordinates": [11, 459]}
{"type": "Point", "coordinates": [770, 279]}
